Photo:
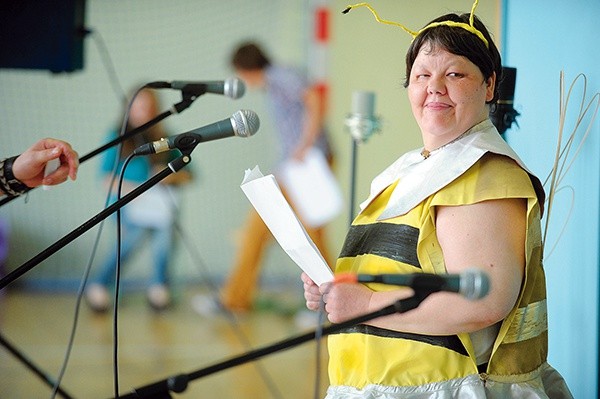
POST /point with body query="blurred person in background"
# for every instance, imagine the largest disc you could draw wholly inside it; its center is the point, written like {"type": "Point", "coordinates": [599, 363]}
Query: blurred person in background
{"type": "Point", "coordinates": [152, 214]}
{"type": "Point", "coordinates": [298, 112]}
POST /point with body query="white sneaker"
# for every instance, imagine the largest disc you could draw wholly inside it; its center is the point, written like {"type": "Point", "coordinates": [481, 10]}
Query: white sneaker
{"type": "Point", "coordinates": [158, 297]}
{"type": "Point", "coordinates": [206, 305]}
{"type": "Point", "coordinates": [97, 298]}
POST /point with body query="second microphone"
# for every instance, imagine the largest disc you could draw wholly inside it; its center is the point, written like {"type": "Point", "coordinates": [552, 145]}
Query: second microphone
{"type": "Point", "coordinates": [243, 123]}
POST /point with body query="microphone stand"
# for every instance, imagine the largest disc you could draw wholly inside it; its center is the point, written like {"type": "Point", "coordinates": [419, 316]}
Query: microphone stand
{"type": "Point", "coordinates": [175, 109]}
{"type": "Point", "coordinates": [173, 167]}
{"type": "Point", "coordinates": [36, 370]}
{"type": "Point", "coordinates": [179, 383]}
{"type": "Point", "coordinates": [361, 127]}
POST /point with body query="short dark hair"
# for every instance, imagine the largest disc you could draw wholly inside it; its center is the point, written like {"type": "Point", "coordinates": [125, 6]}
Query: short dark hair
{"type": "Point", "coordinates": [249, 56]}
{"type": "Point", "coordinates": [461, 42]}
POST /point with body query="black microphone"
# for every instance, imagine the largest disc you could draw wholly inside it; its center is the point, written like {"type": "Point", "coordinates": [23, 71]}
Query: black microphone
{"type": "Point", "coordinates": [231, 87]}
{"type": "Point", "coordinates": [502, 114]}
{"type": "Point", "coordinates": [243, 123]}
{"type": "Point", "coordinates": [471, 283]}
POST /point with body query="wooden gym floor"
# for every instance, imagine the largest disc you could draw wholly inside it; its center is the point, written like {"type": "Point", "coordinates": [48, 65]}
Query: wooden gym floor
{"type": "Point", "coordinates": [151, 347]}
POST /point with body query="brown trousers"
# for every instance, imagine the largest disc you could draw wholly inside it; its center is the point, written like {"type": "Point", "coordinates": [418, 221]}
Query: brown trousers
{"type": "Point", "coordinates": [240, 286]}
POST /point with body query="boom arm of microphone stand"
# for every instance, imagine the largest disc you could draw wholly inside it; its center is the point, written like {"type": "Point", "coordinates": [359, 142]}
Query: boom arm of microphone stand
{"type": "Point", "coordinates": [173, 167]}
{"type": "Point", "coordinates": [180, 382]}
{"type": "Point", "coordinates": [175, 109]}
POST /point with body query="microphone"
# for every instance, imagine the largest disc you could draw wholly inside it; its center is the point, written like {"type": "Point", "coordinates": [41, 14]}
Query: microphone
{"type": "Point", "coordinates": [362, 122]}
{"type": "Point", "coordinates": [231, 87]}
{"type": "Point", "coordinates": [243, 123]}
{"type": "Point", "coordinates": [502, 114]}
{"type": "Point", "coordinates": [471, 283]}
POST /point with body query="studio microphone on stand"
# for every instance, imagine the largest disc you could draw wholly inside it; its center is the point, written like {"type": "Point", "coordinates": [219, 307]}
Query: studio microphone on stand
{"type": "Point", "coordinates": [471, 283]}
{"type": "Point", "coordinates": [362, 122]}
{"type": "Point", "coordinates": [243, 123]}
{"type": "Point", "coordinates": [232, 87]}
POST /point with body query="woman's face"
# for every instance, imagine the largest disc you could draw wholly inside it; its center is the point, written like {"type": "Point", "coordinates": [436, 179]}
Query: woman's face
{"type": "Point", "coordinates": [143, 109]}
{"type": "Point", "coordinates": [447, 94]}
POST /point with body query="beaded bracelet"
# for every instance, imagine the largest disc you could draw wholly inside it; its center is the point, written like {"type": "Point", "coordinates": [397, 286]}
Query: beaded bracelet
{"type": "Point", "coordinates": [10, 185]}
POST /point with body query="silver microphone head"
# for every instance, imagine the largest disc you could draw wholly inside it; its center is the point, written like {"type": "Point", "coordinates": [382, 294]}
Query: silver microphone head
{"type": "Point", "coordinates": [474, 284]}
{"type": "Point", "coordinates": [234, 88]}
{"type": "Point", "coordinates": [245, 123]}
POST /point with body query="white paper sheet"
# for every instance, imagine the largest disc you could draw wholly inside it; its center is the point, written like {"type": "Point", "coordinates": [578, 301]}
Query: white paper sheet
{"type": "Point", "coordinates": [266, 197]}
{"type": "Point", "coordinates": [312, 188]}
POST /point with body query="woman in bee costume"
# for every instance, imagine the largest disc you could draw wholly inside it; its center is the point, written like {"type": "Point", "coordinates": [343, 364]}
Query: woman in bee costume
{"type": "Point", "coordinates": [464, 199]}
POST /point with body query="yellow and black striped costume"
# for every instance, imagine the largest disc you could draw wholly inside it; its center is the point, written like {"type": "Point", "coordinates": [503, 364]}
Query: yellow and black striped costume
{"type": "Point", "coordinates": [367, 361]}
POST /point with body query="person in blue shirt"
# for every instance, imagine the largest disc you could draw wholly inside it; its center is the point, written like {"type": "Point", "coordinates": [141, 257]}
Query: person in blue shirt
{"type": "Point", "coordinates": [151, 214]}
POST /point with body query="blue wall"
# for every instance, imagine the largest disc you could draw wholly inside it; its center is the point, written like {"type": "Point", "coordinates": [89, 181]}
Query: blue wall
{"type": "Point", "coordinates": [541, 38]}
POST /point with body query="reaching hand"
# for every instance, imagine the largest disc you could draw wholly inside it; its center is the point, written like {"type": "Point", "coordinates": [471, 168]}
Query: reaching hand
{"type": "Point", "coordinates": [29, 167]}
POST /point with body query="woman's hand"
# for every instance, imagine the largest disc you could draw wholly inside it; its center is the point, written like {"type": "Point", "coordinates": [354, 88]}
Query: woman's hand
{"type": "Point", "coordinates": [342, 301]}
{"type": "Point", "coordinates": [311, 292]}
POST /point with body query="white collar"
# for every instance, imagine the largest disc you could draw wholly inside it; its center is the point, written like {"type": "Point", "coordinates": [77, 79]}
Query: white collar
{"type": "Point", "coordinates": [420, 178]}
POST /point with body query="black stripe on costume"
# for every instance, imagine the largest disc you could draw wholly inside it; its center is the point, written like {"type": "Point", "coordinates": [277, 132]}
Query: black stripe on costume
{"type": "Point", "coordinates": [451, 342]}
{"type": "Point", "coordinates": [393, 241]}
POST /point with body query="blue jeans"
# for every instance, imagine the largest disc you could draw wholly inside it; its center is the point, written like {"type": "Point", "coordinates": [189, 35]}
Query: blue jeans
{"type": "Point", "coordinates": [132, 236]}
